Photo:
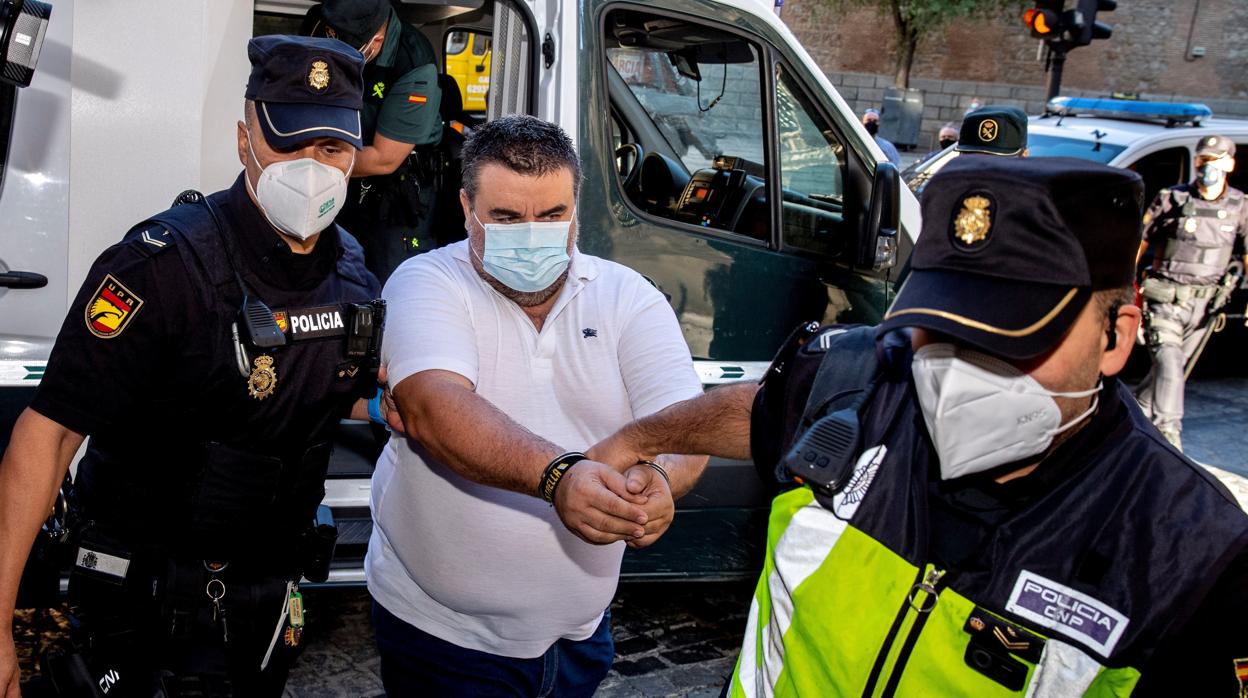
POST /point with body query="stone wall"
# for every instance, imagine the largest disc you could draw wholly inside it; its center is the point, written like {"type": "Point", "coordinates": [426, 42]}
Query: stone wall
{"type": "Point", "coordinates": [995, 60]}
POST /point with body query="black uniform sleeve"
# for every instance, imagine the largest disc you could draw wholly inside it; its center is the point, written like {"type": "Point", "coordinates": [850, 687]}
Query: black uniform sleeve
{"type": "Point", "coordinates": [1210, 653]}
{"type": "Point", "coordinates": [112, 347]}
{"type": "Point", "coordinates": [1156, 218]}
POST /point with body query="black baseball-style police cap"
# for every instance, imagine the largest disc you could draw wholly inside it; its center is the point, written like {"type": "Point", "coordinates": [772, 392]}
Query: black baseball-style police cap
{"type": "Point", "coordinates": [306, 88]}
{"type": "Point", "coordinates": [1012, 249]}
{"type": "Point", "coordinates": [994, 130]}
{"type": "Point", "coordinates": [1215, 146]}
{"type": "Point", "coordinates": [355, 21]}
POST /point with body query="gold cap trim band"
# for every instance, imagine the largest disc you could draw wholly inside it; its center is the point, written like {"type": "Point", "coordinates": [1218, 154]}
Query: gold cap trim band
{"type": "Point", "coordinates": [984, 327]}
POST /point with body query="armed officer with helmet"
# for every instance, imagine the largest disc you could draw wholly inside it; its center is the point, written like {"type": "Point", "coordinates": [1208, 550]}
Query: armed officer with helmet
{"type": "Point", "coordinates": [1193, 230]}
{"type": "Point", "coordinates": [983, 510]}
{"type": "Point", "coordinates": [209, 355]}
{"type": "Point", "coordinates": [395, 183]}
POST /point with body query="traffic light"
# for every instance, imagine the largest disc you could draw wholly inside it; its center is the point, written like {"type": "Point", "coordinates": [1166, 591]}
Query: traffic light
{"type": "Point", "coordinates": [1044, 19]}
{"type": "Point", "coordinates": [1089, 29]}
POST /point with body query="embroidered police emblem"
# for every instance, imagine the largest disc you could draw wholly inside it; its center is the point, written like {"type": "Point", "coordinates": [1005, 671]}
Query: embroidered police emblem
{"type": "Point", "coordinates": [111, 308]}
{"type": "Point", "coordinates": [318, 76]}
{"type": "Point", "coordinates": [282, 320]}
{"type": "Point", "coordinates": [988, 130]}
{"type": "Point", "coordinates": [89, 561]}
{"type": "Point", "coordinates": [845, 503]}
{"type": "Point", "coordinates": [1241, 673]}
{"type": "Point", "coordinates": [973, 221]}
{"type": "Point", "coordinates": [263, 379]}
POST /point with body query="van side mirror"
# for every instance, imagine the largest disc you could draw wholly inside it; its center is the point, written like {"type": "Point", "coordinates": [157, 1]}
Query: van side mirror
{"type": "Point", "coordinates": [877, 234]}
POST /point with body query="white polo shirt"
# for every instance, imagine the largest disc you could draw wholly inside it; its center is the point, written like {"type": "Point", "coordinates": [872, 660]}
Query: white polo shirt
{"type": "Point", "coordinates": [481, 567]}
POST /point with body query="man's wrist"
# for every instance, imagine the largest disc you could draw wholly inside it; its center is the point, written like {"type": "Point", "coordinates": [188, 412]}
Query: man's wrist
{"type": "Point", "coordinates": [553, 474]}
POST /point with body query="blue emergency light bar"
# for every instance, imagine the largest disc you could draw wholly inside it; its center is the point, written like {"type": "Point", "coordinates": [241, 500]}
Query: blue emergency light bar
{"type": "Point", "coordinates": [1170, 112]}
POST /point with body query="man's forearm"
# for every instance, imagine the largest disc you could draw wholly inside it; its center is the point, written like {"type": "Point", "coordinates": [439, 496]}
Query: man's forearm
{"type": "Point", "coordinates": [471, 436]}
{"type": "Point", "coordinates": [682, 472]}
{"type": "Point", "coordinates": [716, 423]}
{"type": "Point", "coordinates": [30, 475]}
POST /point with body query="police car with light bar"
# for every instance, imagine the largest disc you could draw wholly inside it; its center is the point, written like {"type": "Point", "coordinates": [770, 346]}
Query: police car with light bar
{"type": "Point", "coordinates": [1157, 140]}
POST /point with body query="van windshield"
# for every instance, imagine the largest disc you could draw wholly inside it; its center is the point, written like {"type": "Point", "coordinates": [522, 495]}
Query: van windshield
{"type": "Point", "coordinates": [1043, 146]}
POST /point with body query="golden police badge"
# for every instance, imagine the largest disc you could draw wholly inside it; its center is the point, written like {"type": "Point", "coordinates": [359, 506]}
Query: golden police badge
{"type": "Point", "coordinates": [988, 130]}
{"type": "Point", "coordinates": [318, 76]}
{"type": "Point", "coordinates": [974, 220]}
{"type": "Point", "coordinates": [263, 379]}
{"type": "Point", "coordinates": [111, 308]}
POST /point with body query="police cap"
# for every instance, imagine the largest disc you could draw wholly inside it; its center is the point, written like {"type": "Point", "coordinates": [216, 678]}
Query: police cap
{"type": "Point", "coordinates": [355, 21]}
{"type": "Point", "coordinates": [994, 130]}
{"type": "Point", "coordinates": [1215, 146]}
{"type": "Point", "coordinates": [306, 88]}
{"type": "Point", "coordinates": [1012, 248]}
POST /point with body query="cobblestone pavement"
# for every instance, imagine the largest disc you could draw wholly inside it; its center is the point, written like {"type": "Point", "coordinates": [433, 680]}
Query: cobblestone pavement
{"type": "Point", "coordinates": [675, 639]}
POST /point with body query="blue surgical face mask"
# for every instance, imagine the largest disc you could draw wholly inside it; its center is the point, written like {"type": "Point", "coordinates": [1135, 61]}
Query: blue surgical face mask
{"type": "Point", "coordinates": [1210, 174]}
{"type": "Point", "coordinates": [526, 257]}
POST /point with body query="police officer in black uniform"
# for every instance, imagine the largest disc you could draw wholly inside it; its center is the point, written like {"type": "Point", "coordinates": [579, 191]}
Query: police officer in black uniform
{"type": "Point", "coordinates": [1194, 229]}
{"type": "Point", "coordinates": [985, 510]}
{"type": "Point", "coordinates": [208, 355]}
{"type": "Point", "coordinates": [394, 186]}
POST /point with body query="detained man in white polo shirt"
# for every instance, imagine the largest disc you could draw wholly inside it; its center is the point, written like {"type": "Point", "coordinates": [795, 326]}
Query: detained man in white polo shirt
{"type": "Point", "coordinates": [510, 354]}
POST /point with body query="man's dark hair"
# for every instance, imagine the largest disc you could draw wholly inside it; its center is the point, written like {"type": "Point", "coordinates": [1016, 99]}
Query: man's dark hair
{"type": "Point", "coordinates": [523, 144]}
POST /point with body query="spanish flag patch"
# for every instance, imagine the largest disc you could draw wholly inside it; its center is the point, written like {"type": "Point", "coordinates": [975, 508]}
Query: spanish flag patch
{"type": "Point", "coordinates": [111, 308]}
{"type": "Point", "coordinates": [1241, 673]}
{"type": "Point", "coordinates": [417, 99]}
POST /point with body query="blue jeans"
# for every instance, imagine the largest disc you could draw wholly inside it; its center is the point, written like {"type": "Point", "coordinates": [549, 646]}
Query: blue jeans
{"type": "Point", "coordinates": [415, 663]}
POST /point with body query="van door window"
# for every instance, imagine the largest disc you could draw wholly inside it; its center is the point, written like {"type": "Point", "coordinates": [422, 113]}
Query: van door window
{"type": "Point", "coordinates": [699, 91]}
{"type": "Point", "coordinates": [509, 54]}
{"type": "Point", "coordinates": [469, 67]}
{"type": "Point", "coordinates": [1164, 168]}
{"type": "Point", "coordinates": [812, 163]}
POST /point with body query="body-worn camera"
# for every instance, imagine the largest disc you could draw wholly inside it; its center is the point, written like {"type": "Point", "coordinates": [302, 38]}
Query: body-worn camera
{"type": "Point", "coordinates": [365, 327]}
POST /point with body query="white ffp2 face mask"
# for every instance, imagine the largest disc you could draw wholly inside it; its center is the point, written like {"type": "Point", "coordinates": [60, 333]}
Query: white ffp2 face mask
{"type": "Point", "coordinates": [300, 198]}
{"type": "Point", "coordinates": [982, 412]}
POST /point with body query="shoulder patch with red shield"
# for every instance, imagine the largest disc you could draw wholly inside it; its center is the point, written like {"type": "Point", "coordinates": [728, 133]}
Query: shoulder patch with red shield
{"type": "Point", "coordinates": [1241, 673]}
{"type": "Point", "coordinates": [111, 308]}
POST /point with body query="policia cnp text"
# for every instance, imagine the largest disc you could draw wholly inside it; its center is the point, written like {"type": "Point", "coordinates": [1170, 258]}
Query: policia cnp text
{"type": "Point", "coordinates": [208, 355]}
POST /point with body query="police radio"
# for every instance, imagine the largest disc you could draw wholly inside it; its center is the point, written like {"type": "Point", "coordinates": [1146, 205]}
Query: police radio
{"type": "Point", "coordinates": [823, 456]}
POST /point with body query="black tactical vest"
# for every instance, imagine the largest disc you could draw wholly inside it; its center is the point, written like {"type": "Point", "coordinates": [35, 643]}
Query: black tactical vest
{"type": "Point", "coordinates": [1200, 236]}
{"type": "Point", "coordinates": [213, 472]}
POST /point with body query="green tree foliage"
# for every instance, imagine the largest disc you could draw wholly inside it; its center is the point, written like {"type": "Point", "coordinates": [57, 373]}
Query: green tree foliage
{"type": "Point", "coordinates": [915, 20]}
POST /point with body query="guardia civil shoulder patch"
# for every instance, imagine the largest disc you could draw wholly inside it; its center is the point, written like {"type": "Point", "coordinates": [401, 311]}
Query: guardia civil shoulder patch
{"type": "Point", "coordinates": [1241, 673]}
{"type": "Point", "coordinates": [111, 308]}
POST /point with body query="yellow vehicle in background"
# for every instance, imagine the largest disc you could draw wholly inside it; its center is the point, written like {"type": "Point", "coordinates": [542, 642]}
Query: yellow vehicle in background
{"type": "Point", "coordinates": [468, 61]}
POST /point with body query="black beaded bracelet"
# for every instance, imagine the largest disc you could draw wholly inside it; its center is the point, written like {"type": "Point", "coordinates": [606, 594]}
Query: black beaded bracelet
{"type": "Point", "coordinates": [553, 474]}
{"type": "Point", "coordinates": [659, 468]}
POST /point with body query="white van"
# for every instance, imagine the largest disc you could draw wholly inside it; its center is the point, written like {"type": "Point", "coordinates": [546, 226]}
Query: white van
{"type": "Point", "coordinates": [719, 162]}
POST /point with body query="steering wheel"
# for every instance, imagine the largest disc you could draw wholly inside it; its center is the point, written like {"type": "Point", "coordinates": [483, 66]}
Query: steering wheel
{"type": "Point", "coordinates": [629, 173]}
